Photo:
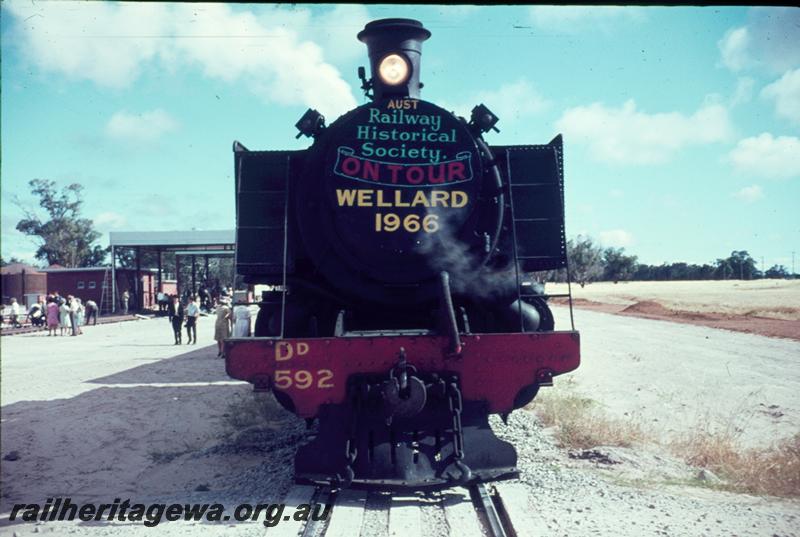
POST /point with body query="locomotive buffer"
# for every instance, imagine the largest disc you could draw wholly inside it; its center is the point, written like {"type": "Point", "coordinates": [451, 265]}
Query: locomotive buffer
{"type": "Point", "coordinates": [399, 246]}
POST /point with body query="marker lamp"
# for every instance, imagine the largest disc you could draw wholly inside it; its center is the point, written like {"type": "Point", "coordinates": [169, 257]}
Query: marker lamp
{"type": "Point", "coordinates": [394, 70]}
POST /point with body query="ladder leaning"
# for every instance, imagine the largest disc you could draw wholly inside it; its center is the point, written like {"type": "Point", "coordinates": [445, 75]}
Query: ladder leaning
{"type": "Point", "coordinates": [106, 298]}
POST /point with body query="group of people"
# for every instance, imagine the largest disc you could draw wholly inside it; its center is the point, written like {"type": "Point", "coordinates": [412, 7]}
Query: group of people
{"type": "Point", "coordinates": [229, 320]}
{"type": "Point", "coordinates": [207, 298]}
{"type": "Point", "coordinates": [211, 295]}
{"type": "Point", "coordinates": [62, 315]}
{"type": "Point", "coordinates": [177, 313]}
{"type": "Point", "coordinates": [65, 316]}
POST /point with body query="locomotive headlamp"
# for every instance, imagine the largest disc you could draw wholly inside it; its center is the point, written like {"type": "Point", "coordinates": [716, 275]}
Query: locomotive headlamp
{"type": "Point", "coordinates": [311, 124]}
{"type": "Point", "coordinates": [394, 69]}
{"type": "Point", "coordinates": [483, 119]}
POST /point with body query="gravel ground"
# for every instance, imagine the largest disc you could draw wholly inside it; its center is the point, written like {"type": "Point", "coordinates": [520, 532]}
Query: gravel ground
{"type": "Point", "coordinates": [120, 412]}
{"type": "Point", "coordinates": [578, 499]}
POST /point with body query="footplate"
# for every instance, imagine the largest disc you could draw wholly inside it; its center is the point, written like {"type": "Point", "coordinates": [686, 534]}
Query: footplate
{"type": "Point", "coordinates": [364, 443]}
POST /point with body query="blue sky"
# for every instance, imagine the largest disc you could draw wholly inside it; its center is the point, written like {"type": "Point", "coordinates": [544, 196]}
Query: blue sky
{"type": "Point", "coordinates": [680, 124]}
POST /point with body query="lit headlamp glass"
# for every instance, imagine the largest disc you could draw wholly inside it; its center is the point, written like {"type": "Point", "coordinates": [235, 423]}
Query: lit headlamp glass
{"type": "Point", "coordinates": [394, 70]}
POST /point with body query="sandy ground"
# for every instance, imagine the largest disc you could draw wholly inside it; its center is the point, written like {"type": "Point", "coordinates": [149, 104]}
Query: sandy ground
{"type": "Point", "coordinates": [765, 307]}
{"type": "Point", "coordinates": [673, 378]}
{"type": "Point", "coordinates": [121, 412]}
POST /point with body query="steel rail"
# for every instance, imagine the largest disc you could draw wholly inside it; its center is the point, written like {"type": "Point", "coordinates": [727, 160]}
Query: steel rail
{"type": "Point", "coordinates": [483, 501]}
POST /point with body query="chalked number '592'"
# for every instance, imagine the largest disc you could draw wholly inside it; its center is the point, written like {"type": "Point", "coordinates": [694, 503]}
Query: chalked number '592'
{"type": "Point", "coordinates": [301, 379]}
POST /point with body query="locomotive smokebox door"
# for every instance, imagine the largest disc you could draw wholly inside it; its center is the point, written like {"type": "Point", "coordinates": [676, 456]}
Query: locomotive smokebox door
{"type": "Point", "coordinates": [393, 188]}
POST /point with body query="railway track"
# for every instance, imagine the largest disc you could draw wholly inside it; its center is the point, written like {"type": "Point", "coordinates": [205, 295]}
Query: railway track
{"type": "Point", "coordinates": [7, 330]}
{"type": "Point", "coordinates": [493, 510]}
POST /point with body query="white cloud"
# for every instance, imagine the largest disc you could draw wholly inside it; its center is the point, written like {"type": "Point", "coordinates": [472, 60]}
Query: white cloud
{"type": "Point", "coordinates": [272, 61]}
{"type": "Point", "coordinates": [92, 40]}
{"type": "Point", "coordinates": [617, 238]}
{"type": "Point", "coordinates": [337, 32]}
{"type": "Point", "coordinates": [767, 156]}
{"type": "Point", "coordinates": [109, 220]}
{"type": "Point", "coordinates": [743, 92]}
{"type": "Point", "coordinates": [510, 102]}
{"type": "Point", "coordinates": [111, 44]}
{"type": "Point", "coordinates": [145, 127]}
{"type": "Point", "coordinates": [574, 19]}
{"type": "Point", "coordinates": [768, 41]}
{"type": "Point", "coordinates": [733, 48]}
{"type": "Point", "coordinates": [749, 194]}
{"type": "Point", "coordinates": [626, 135]}
{"type": "Point", "coordinates": [786, 93]}
{"type": "Point", "coordinates": [514, 101]}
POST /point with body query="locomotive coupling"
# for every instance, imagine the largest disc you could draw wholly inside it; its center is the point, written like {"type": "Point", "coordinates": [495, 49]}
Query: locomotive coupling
{"type": "Point", "coordinates": [404, 394]}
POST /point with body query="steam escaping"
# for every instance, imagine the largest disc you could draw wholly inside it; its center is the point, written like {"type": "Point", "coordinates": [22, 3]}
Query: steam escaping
{"type": "Point", "coordinates": [469, 275]}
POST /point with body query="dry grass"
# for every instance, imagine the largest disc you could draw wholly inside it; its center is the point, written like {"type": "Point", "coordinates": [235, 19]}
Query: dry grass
{"type": "Point", "coordinates": [244, 410]}
{"type": "Point", "coordinates": [579, 423]}
{"type": "Point", "coordinates": [774, 470]}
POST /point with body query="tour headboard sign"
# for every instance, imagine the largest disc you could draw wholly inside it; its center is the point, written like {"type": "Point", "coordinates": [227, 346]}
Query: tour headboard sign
{"type": "Point", "coordinates": [403, 166]}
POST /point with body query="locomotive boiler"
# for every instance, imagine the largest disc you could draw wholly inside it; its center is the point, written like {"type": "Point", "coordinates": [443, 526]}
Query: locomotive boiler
{"type": "Point", "coordinates": [398, 248]}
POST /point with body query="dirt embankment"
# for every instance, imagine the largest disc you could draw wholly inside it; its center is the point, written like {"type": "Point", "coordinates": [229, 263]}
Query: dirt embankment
{"type": "Point", "coordinates": [766, 307]}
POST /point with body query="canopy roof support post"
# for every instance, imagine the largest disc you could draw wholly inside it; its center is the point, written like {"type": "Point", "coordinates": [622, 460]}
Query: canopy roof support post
{"type": "Point", "coordinates": [138, 287]}
{"type": "Point", "coordinates": [178, 274]}
{"type": "Point", "coordinates": [113, 280]}
{"type": "Point", "coordinates": [160, 288]}
{"type": "Point", "coordinates": [194, 275]}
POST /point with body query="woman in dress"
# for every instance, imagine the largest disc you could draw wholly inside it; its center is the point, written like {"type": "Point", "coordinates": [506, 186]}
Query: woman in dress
{"type": "Point", "coordinates": [222, 327]}
{"type": "Point", "coordinates": [52, 316]}
{"type": "Point", "coordinates": [63, 317]}
{"type": "Point", "coordinates": [79, 312]}
{"type": "Point", "coordinates": [241, 321]}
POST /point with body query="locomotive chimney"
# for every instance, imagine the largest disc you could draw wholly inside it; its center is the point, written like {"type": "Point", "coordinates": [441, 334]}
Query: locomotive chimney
{"type": "Point", "coordinates": [395, 49]}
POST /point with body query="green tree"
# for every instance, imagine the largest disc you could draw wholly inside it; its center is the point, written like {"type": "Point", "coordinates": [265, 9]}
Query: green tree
{"type": "Point", "coordinates": [618, 266]}
{"type": "Point", "coordinates": [64, 237]}
{"type": "Point", "coordinates": [777, 271]}
{"type": "Point", "coordinates": [585, 259]}
{"type": "Point", "coordinates": [97, 256]}
{"type": "Point", "coordinates": [723, 269]}
{"type": "Point", "coordinates": [743, 265]}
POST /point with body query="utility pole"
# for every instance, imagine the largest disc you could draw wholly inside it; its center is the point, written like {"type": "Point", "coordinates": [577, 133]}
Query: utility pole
{"type": "Point", "coordinates": [792, 263]}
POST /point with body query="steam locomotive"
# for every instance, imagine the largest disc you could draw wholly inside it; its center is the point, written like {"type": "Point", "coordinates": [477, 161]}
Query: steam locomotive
{"type": "Point", "coordinates": [398, 248]}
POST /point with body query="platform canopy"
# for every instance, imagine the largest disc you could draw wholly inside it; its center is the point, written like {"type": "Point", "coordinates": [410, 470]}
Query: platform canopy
{"type": "Point", "coordinates": [192, 243]}
{"type": "Point", "coordinates": [217, 239]}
